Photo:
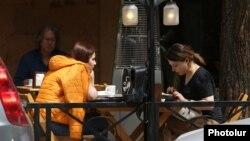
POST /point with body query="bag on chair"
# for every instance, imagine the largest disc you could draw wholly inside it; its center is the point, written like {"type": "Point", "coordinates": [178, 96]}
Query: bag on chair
{"type": "Point", "coordinates": [133, 83]}
{"type": "Point", "coordinates": [189, 113]}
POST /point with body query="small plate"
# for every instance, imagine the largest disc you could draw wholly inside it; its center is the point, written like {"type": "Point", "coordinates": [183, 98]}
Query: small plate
{"type": "Point", "coordinates": [101, 93]}
{"type": "Point", "coordinates": [107, 94]}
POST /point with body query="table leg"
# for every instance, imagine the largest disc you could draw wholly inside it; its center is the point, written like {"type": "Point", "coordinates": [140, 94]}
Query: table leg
{"type": "Point", "coordinates": [137, 132]}
{"type": "Point", "coordinates": [119, 132]}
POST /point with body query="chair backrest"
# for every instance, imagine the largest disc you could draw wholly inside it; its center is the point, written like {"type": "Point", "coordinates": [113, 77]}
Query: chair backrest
{"type": "Point", "coordinates": [236, 112]}
{"type": "Point", "coordinates": [27, 97]}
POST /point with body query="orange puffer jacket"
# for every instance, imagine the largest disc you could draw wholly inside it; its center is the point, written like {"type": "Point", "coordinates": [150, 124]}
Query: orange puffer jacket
{"type": "Point", "coordinates": [67, 81]}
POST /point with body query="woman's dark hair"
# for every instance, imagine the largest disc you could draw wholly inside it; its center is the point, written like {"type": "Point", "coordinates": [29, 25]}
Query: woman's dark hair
{"type": "Point", "coordinates": [40, 35]}
{"type": "Point", "coordinates": [181, 52]}
{"type": "Point", "coordinates": [82, 51]}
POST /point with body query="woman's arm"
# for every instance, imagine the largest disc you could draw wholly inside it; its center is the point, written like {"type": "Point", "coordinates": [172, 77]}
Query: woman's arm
{"type": "Point", "coordinates": [92, 74]}
{"type": "Point", "coordinates": [179, 97]}
{"type": "Point", "coordinates": [92, 93]}
{"type": "Point", "coordinates": [206, 99]}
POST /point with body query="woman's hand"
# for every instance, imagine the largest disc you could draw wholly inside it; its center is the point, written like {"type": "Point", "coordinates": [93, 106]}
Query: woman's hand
{"type": "Point", "coordinates": [179, 97]}
{"type": "Point", "coordinates": [170, 90]}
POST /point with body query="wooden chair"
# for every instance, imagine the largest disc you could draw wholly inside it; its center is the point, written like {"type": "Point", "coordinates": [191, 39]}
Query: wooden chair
{"type": "Point", "coordinates": [27, 97]}
{"type": "Point", "coordinates": [236, 112]}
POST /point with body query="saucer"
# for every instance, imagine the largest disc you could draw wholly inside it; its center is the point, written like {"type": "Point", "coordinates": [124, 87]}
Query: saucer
{"type": "Point", "coordinates": [107, 94]}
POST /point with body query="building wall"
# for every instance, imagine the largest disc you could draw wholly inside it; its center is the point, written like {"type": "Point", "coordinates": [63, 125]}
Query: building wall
{"type": "Point", "coordinates": [93, 20]}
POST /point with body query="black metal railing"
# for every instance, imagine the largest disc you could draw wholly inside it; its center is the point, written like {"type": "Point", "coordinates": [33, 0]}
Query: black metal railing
{"type": "Point", "coordinates": [62, 106]}
{"type": "Point", "coordinates": [48, 106]}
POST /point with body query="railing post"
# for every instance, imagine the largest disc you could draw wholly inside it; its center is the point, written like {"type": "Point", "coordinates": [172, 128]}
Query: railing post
{"type": "Point", "coordinates": [48, 121]}
{"type": "Point", "coordinates": [36, 124]}
{"type": "Point", "coordinates": [151, 111]}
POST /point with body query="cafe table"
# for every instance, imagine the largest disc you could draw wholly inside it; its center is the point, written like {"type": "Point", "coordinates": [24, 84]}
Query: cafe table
{"type": "Point", "coordinates": [34, 90]}
{"type": "Point", "coordinates": [28, 89]}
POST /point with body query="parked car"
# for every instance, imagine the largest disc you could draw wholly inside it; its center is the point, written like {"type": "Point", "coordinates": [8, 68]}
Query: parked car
{"type": "Point", "coordinates": [198, 134]}
{"type": "Point", "coordinates": [15, 125]}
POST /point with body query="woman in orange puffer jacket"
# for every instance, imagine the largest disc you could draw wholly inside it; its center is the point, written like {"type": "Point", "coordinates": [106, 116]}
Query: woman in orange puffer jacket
{"type": "Point", "coordinates": [69, 81]}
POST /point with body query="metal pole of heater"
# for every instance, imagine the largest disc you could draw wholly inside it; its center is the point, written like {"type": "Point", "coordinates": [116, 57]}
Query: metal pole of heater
{"type": "Point", "coordinates": [151, 111]}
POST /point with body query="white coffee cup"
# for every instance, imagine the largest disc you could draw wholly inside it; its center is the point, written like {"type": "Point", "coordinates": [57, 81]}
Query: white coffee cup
{"type": "Point", "coordinates": [28, 82]}
{"type": "Point", "coordinates": [111, 89]}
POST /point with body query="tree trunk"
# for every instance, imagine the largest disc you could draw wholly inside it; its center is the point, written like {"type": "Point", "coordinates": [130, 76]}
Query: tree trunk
{"type": "Point", "coordinates": [235, 49]}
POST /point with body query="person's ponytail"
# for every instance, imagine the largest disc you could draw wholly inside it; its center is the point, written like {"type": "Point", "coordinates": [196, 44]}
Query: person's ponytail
{"type": "Point", "coordinates": [198, 59]}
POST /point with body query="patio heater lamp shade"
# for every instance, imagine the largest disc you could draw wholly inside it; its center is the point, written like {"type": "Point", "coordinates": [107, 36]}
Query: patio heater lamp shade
{"type": "Point", "coordinates": [171, 14]}
{"type": "Point", "coordinates": [130, 15]}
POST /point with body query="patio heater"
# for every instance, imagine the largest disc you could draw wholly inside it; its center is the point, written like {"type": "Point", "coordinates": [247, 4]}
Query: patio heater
{"type": "Point", "coordinates": [138, 45]}
{"type": "Point", "coordinates": [132, 46]}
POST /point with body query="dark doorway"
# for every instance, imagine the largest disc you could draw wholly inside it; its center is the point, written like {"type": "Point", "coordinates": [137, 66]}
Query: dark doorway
{"type": "Point", "coordinates": [199, 27]}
